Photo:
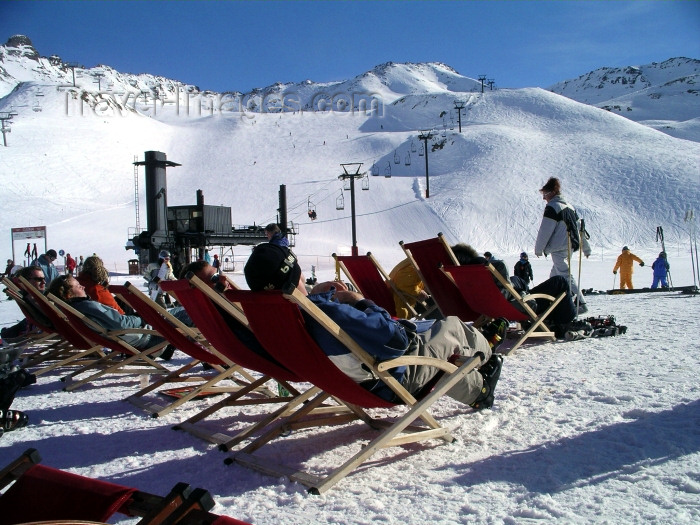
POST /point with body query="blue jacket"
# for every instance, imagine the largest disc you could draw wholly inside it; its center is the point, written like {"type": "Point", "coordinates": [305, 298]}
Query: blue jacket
{"type": "Point", "coordinates": [111, 319]}
{"type": "Point", "coordinates": [368, 324]}
{"type": "Point", "coordinates": [50, 271]}
{"type": "Point", "coordinates": [660, 267]}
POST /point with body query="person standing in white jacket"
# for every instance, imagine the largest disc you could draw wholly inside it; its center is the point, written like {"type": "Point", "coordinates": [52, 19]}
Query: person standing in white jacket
{"type": "Point", "coordinates": [560, 219]}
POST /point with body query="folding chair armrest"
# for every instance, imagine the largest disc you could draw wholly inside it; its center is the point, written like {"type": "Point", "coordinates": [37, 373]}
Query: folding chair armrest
{"type": "Point", "coordinates": [531, 296]}
{"type": "Point", "coordinates": [445, 366]}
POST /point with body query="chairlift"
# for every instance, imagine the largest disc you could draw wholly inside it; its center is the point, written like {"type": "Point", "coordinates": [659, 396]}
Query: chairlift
{"type": "Point", "coordinates": [397, 159]}
{"type": "Point", "coordinates": [340, 201]}
{"type": "Point", "coordinates": [375, 170]}
{"type": "Point", "coordinates": [408, 159]}
{"type": "Point", "coordinates": [312, 209]}
{"type": "Point", "coordinates": [346, 184]}
{"type": "Point", "coordinates": [421, 151]}
{"type": "Point", "coordinates": [365, 183]}
{"type": "Point", "coordinates": [39, 93]}
{"type": "Point", "coordinates": [413, 146]}
{"type": "Point", "coordinates": [36, 106]}
{"type": "Point", "coordinates": [387, 170]}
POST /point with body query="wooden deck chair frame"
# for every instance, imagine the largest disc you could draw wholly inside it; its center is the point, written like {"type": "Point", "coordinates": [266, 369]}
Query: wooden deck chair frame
{"type": "Point", "coordinates": [477, 285]}
{"type": "Point", "coordinates": [188, 340]}
{"type": "Point", "coordinates": [42, 341]}
{"type": "Point", "coordinates": [124, 359]}
{"type": "Point", "coordinates": [427, 256]}
{"type": "Point", "coordinates": [302, 354]}
{"type": "Point", "coordinates": [81, 351]}
{"type": "Point", "coordinates": [371, 280]}
{"type": "Point", "coordinates": [181, 501]}
{"type": "Point", "coordinates": [207, 309]}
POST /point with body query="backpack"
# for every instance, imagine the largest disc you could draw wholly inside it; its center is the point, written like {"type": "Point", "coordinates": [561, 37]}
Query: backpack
{"type": "Point", "coordinates": [574, 226]}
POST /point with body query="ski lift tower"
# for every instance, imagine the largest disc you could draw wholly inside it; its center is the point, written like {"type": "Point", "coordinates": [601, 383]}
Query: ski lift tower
{"type": "Point", "coordinates": [425, 136]}
{"type": "Point", "coordinates": [459, 106]}
{"type": "Point", "coordinates": [6, 117]}
{"type": "Point", "coordinates": [349, 175]}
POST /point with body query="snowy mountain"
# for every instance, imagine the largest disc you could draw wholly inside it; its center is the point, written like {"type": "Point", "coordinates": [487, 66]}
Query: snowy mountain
{"type": "Point", "coordinates": [665, 96]}
{"type": "Point", "coordinates": [70, 154]}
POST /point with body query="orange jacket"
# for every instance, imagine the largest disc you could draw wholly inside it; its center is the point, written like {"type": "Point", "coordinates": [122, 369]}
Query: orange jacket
{"type": "Point", "coordinates": [98, 292]}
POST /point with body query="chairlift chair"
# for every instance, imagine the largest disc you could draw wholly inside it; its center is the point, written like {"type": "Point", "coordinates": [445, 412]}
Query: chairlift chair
{"type": "Point", "coordinates": [375, 170]}
{"type": "Point", "coordinates": [397, 159]}
{"type": "Point", "coordinates": [365, 182]}
{"type": "Point", "coordinates": [421, 151]}
{"type": "Point", "coordinates": [312, 209]}
{"type": "Point", "coordinates": [340, 201]}
{"type": "Point", "coordinates": [36, 106]}
{"type": "Point", "coordinates": [413, 146]}
{"type": "Point", "coordinates": [408, 159]}
{"type": "Point", "coordinates": [387, 170]}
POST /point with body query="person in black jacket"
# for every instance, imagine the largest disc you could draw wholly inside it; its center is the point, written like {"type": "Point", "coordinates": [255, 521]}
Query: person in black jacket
{"type": "Point", "coordinates": [523, 269]}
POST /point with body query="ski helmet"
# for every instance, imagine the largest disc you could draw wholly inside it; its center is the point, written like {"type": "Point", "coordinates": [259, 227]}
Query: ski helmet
{"type": "Point", "coordinates": [164, 254]}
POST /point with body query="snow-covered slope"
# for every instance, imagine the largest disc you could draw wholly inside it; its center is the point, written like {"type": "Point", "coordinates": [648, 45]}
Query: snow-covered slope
{"type": "Point", "coordinates": [69, 163]}
{"type": "Point", "coordinates": [664, 95]}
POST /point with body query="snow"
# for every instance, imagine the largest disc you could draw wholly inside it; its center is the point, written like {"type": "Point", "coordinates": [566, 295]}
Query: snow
{"type": "Point", "coordinates": [602, 431]}
{"type": "Point", "coordinates": [592, 431]}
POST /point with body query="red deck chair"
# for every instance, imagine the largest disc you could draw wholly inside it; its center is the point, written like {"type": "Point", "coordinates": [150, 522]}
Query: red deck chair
{"type": "Point", "coordinates": [41, 335]}
{"type": "Point", "coordinates": [188, 340]}
{"type": "Point", "coordinates": [476, 284]}
{"type": "Point", "coordinates": [370, 279]}
{"type": "Point", "coordinates": [288, 340]}
{"type": "Point", "coordinates": [123, 359]}
{"type": "Point", "coordinates": [81, 351]}
{"type": "Point", "coordinates": [427, 257]}
{"type": "Point", "coordinates": [44, 494]}
{"type": "Point", "coordinates": [212, 315]}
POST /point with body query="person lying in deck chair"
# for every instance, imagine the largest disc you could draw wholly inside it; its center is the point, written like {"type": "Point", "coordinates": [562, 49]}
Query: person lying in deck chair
{"type": "Point", "coordinates": [67, 288]}
{"type": "Point", "coordinates": [564, 314]}
{"type": "Point", "coordinates": [272, 267]}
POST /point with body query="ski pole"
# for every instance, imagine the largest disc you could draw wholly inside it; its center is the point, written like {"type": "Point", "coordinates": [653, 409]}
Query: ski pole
{"type": "Point", "coordinates": [660, 236]}
{"type": "Point", "coordinates": [581, 231]}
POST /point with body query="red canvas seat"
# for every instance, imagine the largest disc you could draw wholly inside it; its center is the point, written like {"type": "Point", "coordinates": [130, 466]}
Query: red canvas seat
{"type": "Point", "coordinates": [370, 279]}
{"type": "Point", "coordinates": [427, 257]}
{"type": "Point", "coordinates": [38, 493]}
{"type": "Point", "coordinates": [288, 340]}
{"type": "Point", "coordinates": [477, 286]}
{"type": "Point", "coordinates": [215, 317]}
{"type": "Point", "coordinates": [188, 340]}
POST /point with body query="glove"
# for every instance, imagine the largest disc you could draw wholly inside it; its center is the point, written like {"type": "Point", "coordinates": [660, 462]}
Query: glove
{"type": "Point", "coordinates": [614, 273]}
{"type": "Point", "coordinates": [641, 263]}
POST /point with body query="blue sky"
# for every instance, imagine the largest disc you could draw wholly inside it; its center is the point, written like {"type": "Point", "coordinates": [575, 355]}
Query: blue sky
{"type": "Point", "coordinates": [239, 45]}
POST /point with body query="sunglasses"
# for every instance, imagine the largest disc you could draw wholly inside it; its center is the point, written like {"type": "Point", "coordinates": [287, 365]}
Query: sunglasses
{"type": "Point", "coordinates": [38, 279]}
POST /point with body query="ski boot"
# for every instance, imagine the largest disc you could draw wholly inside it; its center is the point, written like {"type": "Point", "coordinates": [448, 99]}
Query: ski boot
{"type": "Point", "coordinates": [490, 372]}
{"type": "Point", "coordinates": [495, 332]}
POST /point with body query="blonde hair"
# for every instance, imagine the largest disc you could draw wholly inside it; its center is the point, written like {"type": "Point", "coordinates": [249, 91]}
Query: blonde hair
{"type": "Point", "coordinates": [95, 268]}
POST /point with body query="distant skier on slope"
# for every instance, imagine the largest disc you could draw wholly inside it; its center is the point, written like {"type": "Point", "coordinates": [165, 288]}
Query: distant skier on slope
{"type": "Point", "coordinates": [624, 263]}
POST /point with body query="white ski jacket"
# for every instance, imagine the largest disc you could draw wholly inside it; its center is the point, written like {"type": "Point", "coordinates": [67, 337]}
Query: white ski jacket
{"type": "Point", "coordinates": [552, 236]}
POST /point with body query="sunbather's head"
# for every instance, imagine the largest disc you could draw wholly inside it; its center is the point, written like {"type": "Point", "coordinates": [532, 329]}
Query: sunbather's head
{"type": "Point", "coordinates": [35, 275]}
{"type": "Point", "coordinates": [272, 267]}
{"type": "Point", "coordinates": [207, 273]}
{"type": "Point", "coordinates": [66, 287]}
{"type": "Point", "coordinates": [465, 254]}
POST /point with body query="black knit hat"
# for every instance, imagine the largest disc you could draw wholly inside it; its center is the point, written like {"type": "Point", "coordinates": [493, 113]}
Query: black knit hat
{"type": "Point", "coordinates": [272, 267]}
{"type": "Point", "coordinates": [52, 253]}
